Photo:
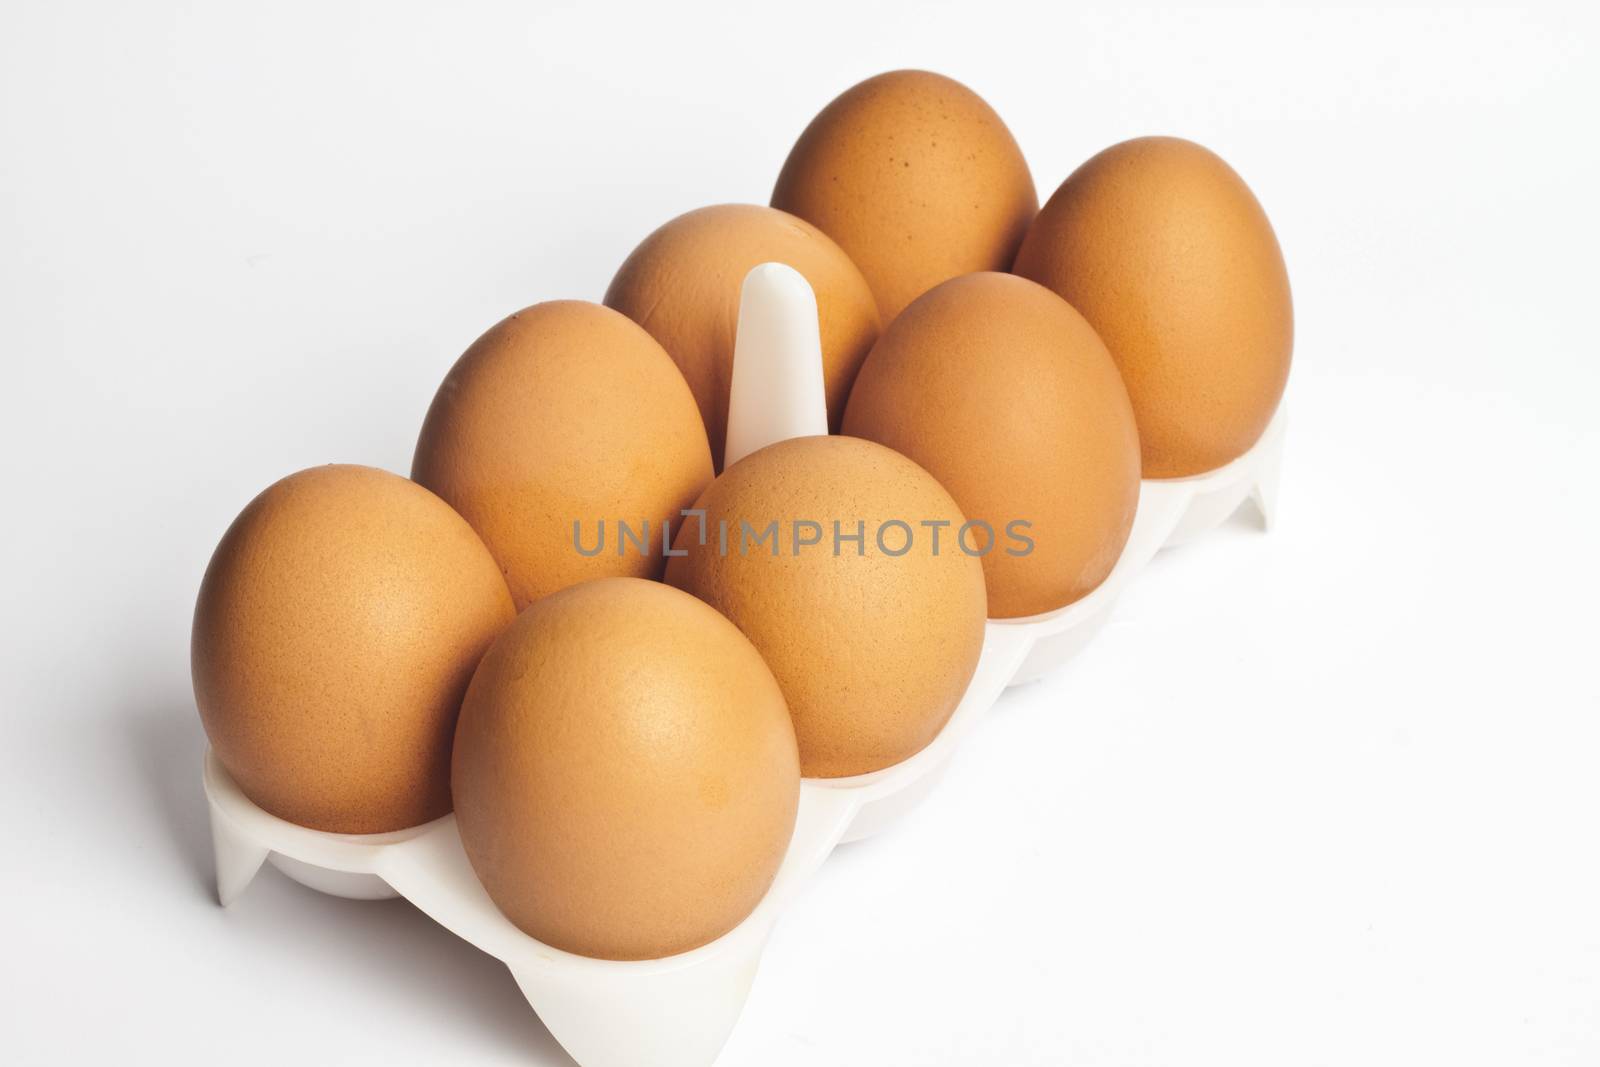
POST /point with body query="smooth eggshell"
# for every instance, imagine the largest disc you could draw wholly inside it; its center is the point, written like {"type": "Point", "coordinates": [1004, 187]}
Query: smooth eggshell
{"type": "Point", "coordinates": [916, 178]}
{"type": "Point", "coordinates": [1166, 252]}
{"type": "Point", "coordinates": [1006, 395]}
{"type": "Point", "coordinates": [566, 412]}
{"type": "Point", "coordinates": [683, 282]}
{"type": "Point", "coordinates": [338, 624]}
{"type": "Point", "coordinates": [626, 778]}
{"type": "Point", "coordinates": [873, 651]}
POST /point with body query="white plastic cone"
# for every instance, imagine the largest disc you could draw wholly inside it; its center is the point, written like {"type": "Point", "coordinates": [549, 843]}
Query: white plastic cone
{"type": "Point", "coordinates": [776, 390]}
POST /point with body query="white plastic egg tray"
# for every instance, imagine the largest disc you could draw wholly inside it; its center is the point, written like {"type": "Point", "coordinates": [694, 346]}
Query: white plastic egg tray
{"type": "Point", "coordinates": [679, 1011]}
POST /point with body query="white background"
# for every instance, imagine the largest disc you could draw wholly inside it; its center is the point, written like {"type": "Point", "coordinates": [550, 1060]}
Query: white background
{"type": "Point", "coordinates": [1327, 796]}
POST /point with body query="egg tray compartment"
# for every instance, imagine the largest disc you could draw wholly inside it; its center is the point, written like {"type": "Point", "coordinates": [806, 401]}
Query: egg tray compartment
{"type": "Point", "coordinates": [679, 1011]}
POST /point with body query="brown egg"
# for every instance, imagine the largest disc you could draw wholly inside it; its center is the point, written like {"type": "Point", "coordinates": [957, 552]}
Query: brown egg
{"type": "Point", "coordinates": [1166, 252]}
{"type": "Point", "coordinates": [625, 773]}
{"type": "Point", "coordinates": [559, 424]}
{"type": "Point", "coordinates": [682, 284]}
{"type": "Point", "coordinates": [1004, 393]}
{"type": "Point", "coordinates": [874, 641]}
{"type": "Point", "coordinates": [337, 627]}
{"type": "Point", "coordinates": [916, 178]}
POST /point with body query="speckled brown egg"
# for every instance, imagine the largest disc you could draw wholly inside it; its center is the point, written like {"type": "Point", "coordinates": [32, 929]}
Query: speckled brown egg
{"type": "Point", "coordinates": [556, 427]}
{"type": "Point", "coordinates": [338, 624]}
{"type": "Point", "coordinates": [1166, 252]}
{"type": "Point", "coordinates": [682, 284]}
{"type": "Point", "coordinates": [916, 178]}
{"type": "Point", "coordinates": [1006, 395]}
{"type": "Point", "coordinates": [626, 778]}
{"type": "Point", "coordinates": [874, 634]}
